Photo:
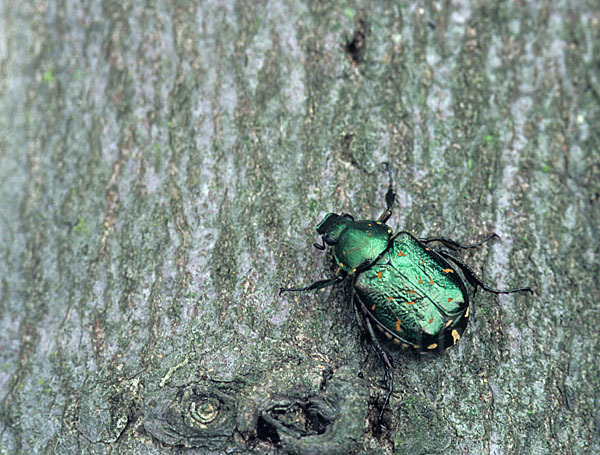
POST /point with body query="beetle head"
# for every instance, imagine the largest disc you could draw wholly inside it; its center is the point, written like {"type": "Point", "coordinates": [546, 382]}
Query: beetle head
{"type": "Point", "coordinates": [332, 226]}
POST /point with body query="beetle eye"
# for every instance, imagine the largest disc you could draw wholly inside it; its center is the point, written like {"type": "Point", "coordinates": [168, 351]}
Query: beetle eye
{"type": "Point", "coordinates": [347, 215]}
{"type": "Point", "coordinates": [328, 240]}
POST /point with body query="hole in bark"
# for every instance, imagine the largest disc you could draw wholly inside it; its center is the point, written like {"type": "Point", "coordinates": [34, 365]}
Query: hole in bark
{"type": "Point", "coordinates": [267, 431]}
{"type": "Point", "coordinates": [355, 48]}
{"type": "Point", "coordinates": [304, 419]}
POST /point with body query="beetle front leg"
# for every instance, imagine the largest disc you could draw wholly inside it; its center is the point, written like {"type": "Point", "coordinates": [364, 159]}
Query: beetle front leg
{"type": "Point", "coordinates": [390, 196]}
{"type": "Point", "coordinates": [381, 352]}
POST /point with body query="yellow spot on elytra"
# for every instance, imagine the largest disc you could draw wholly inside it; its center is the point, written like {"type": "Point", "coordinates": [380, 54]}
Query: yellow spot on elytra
{"type": "Point", "coordinates": [390, 298]}
{"type": "Point", "coordinates": [354, 270]}
{"type": "Point", "coordinates": [447, 270]}
{"type": "Point", "coordinates": [378, 222]}
{"type": "Point", "coordinates": [379, 274]}
{"type": "Point", "coordinates": [426, 249]}
{"type": "Point", "coordinates": [449, 300]}
{"type": "Point", "coordinates": [455, 336]}
{"type": "Point", "coordinates": [397, 341]}
{"type": "Point", "coordinates": [401, 254]}
{"type": "Point", "coordinates": [341, 265]}
{"type": "Point", "coordinates": [398, 328]}
{"type": "Point", "coordinates": [467, 312]}
{"type": "Point", "coordinates": [388, 335]}
{"type": "Point", "coordinates": [416, 346]}
{"type": "Point", "coordinates": [410, 303]}
{"type": "Point", "coordinates": [432, 346]}
{"type": "Point", "coordinates": [450, 321]}
{"type": "Point", "coordinates": [370, 225]}
{"type": "Point", "coordinates": [405, 346]}
{"type": "Point", "coordinates": [389, 231]}
{"type": "Point", "coordinates": [430, 320]}
{"type": "Point", "coordinates": [373, 307]}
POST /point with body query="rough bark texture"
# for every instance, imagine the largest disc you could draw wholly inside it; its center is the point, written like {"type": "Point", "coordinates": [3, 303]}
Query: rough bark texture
{"type": "Point", "coordinates": [163, 165]}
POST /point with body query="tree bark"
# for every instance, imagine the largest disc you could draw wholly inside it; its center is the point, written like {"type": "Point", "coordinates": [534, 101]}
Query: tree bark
{"type": "Point", "coordinates": [163, 165]}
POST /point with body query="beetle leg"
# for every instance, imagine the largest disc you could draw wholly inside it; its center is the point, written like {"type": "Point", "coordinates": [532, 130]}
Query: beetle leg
{"type": "Point", "coordinates": [316, 285]}
{"type": "Point", "coordinates": [453, 245]}
{"type": "Point", "coordinates": [390, 196]}
{"type": "Point", "coordinates": [475, 280]}
{"type": "Point", "coordinates": [387, 365]}
{"type": "Point", "coordinates": [381, 352]}
{"type": "Point", "coordinates": [321, 246]}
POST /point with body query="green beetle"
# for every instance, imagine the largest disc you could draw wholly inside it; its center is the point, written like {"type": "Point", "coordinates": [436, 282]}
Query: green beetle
{"type": "Point", "coordinates": [412, 293]}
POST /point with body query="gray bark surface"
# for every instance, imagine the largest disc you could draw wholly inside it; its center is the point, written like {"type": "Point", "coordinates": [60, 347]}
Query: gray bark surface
{"type": "Point", "coordinates": [163, 165]}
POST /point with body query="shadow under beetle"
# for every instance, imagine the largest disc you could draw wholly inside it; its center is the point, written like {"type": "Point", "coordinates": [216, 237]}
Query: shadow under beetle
{"type": "Point", "coordinates": [411, 292]}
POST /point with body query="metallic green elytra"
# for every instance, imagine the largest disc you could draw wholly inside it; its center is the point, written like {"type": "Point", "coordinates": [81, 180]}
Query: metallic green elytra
{"type": "Point", "coordinates": [414, 294]}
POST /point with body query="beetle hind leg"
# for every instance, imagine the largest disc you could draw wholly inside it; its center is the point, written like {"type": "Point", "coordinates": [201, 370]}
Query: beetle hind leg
{"type": "Point", "coordinates": [475, 281]}
{"type": "Point", "coordinates": [454, 245]}
{"type": "Point", "coordinates": [378, 348]}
